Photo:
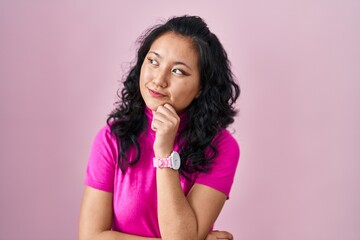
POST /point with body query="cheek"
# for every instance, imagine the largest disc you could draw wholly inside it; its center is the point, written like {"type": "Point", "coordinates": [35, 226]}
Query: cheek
{"type": "Point", "coordinates": [145, 75]}
{"type": "Point", "coordinates": [141, 73]}
{"type": "Point", "coordinates": [188, 92]}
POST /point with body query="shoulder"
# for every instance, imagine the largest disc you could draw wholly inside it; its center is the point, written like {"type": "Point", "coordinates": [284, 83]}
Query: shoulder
{"type": "Point", "coordinates": [105, 142]}
{"type": "Point", "coordinates": [225, 142]}
{"type": "Point", "coordinates": [104, 135]}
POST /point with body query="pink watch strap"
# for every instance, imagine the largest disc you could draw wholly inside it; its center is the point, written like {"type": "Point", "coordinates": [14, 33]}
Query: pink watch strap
{"type": "Point", "coordinates": [162, 162]}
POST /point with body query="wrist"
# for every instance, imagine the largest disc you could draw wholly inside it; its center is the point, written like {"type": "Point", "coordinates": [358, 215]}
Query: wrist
{"type": "Point", "coordinates": [162, 152]}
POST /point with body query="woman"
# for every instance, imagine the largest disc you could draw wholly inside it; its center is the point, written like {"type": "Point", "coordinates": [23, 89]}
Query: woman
{"type": "Point", "coordinates": [164, 164]}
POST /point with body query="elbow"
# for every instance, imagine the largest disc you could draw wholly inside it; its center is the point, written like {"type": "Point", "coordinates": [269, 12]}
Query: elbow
{"type": "Point", "coordinates": [187, 231]}
{"type": "Point", "coordinates": [92, 236]}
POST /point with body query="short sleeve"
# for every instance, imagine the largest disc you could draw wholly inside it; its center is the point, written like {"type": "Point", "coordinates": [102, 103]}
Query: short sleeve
{"type": "Point", "coordinates": [222, 172]}
{"type": "Point", "coordinates": [101, 166]}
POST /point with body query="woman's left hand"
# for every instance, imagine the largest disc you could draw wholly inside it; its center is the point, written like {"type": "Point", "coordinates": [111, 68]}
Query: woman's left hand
{"type": "Point", "coordinates": [165, 123]}
{"type": "Point", "coordinates": [219, 235]}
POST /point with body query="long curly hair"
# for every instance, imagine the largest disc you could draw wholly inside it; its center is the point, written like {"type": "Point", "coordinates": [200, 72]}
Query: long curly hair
{"type": "Point", "coordinates": [208, 114]}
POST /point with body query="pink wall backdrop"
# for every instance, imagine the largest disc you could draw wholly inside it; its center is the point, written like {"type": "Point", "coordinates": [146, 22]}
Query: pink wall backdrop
{"type": "Point", "coordinates": [298, 63]}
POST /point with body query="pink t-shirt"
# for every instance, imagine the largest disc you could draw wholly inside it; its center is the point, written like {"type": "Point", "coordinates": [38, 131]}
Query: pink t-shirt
{"type": "Point", "coordinates": [134, 192]}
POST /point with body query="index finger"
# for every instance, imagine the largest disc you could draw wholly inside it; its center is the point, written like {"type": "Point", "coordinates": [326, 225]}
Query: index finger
{"type": "Point", "coordinates": [171, 108]}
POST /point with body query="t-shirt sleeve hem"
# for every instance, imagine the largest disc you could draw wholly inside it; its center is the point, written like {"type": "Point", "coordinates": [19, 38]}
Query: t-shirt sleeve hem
{"type": "Point", "coordinates": [99, 186]}
{"type": "Point", "coordinates": [216, 187]}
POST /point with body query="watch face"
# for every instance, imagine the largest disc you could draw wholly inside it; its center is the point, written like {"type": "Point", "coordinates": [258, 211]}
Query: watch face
{"type": "Point", "coordinates": [175, 157]}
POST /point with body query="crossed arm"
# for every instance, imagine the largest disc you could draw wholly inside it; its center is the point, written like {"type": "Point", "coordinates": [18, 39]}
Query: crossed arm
{"type": "Point", "coordinates": [190, 219]}
{"type": "Point", "coordinates": [180, 217]}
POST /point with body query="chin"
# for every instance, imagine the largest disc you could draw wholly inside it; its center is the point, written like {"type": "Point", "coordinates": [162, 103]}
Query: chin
{"type": "Point", "coordinates": [153, 106]}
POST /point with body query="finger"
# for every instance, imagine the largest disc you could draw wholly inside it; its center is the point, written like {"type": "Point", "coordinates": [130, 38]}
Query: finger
{"type": "Point", "coordinates": [167, 110]}
{"type": "Point", "coordinates": [223, 235]}
{"type": "Point", "coordinates": [165, 114]}
{"type": "Point", "coordinates": [156, 124]}
{"type": "Point", "coordinates": [171, 108]}
{"type": "Point", "coordinates": [161, 117]}
{"type": "Point", "coordinates": [161, 122]}
{"type": "Point", "coordinates": [153, 127]}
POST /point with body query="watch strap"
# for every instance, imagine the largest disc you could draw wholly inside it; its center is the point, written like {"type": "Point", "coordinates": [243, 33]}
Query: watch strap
{"type": "Point", "coordinates": [162, 162]}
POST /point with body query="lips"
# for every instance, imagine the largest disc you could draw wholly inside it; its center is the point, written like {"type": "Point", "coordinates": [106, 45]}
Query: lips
{"type": "Point", "coordinates": [156, 94]}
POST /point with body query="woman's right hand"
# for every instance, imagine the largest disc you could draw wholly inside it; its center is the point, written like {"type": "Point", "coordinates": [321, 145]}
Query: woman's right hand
{"type": "Point", "coordinates": [219, 235]}
{"type": "Point", "coordinates": [165, 123]}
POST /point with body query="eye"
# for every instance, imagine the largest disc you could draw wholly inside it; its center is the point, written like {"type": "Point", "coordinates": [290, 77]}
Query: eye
{"type": "Point", "coordinates": [153, 61]}
{"type": "Point", "coordinates": [178, 71]}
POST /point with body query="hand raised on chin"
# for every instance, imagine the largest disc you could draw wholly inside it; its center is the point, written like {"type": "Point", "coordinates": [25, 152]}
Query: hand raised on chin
{"type": "Point", "coordinates": [165, 123]}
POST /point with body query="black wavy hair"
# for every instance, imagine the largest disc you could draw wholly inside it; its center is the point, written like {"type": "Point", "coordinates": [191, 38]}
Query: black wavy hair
{"type": "Point", "coordinates": [208, 114]}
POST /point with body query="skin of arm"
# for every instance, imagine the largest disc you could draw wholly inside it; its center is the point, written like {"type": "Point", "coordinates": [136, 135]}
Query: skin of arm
{"type": "Point", "coordinates": [180, 217]}
{"type": "Point", "coordinates": [96, 216]}
{"type": "Point", "coordinates": [188, 217]}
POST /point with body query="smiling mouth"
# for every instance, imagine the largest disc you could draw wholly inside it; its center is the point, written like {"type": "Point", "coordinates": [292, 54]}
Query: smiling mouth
{"type": "Point", "coordinates": [156, 94]}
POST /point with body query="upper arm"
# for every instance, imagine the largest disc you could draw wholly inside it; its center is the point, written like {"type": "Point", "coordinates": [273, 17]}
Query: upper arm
{"type": "Point", "coordinates": [206, 202]}
{"type": "Point", "coordinates": [95, 214]}
{"type": "Point", "coordinates": [212, 188]}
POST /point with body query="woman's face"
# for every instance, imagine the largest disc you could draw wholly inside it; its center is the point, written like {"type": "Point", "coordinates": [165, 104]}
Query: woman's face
{"type": "Point", "coordinates": [170, 73]}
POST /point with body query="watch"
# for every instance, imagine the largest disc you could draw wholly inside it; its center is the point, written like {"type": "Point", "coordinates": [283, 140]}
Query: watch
{"type": "Point", "coordinates": [173, 161]}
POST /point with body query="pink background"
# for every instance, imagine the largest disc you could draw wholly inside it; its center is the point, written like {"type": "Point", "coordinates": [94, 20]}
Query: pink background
{"type": "Point", "coordinates": [298, 64]}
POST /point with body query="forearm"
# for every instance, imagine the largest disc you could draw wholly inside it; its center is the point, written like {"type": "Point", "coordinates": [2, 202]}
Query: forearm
{"type": "Point", "coordinates": [114, 235]}
{"type": "Point", "coordinates": [176, 217]}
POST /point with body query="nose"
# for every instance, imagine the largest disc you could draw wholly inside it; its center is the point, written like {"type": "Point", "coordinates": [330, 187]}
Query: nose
{"type": "Point", "coordinates": [161, 78]}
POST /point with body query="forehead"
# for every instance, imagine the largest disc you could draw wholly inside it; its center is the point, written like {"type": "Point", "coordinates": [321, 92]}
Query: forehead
{"type": "Point", "coordinates": [175, 47]}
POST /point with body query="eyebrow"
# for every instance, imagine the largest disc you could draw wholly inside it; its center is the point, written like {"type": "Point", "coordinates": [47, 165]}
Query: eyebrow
{"type": "Point", "coordinates": [176, 63]}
